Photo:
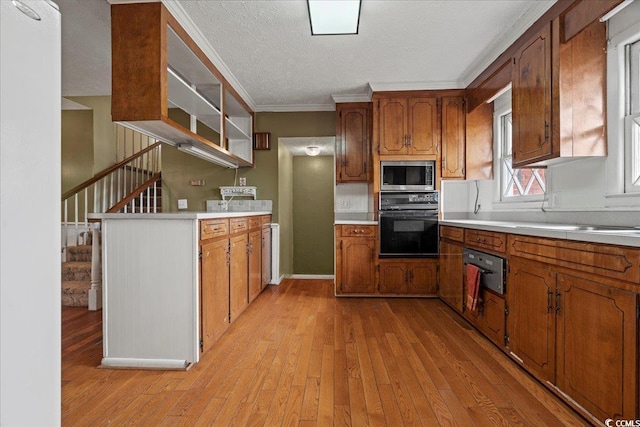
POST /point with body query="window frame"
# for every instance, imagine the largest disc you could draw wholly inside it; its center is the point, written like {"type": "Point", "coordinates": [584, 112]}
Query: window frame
{"type": "Point", "coordinates": [502, 108]}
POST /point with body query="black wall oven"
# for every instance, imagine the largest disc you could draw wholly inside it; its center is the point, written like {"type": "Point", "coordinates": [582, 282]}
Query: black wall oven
{"type": "Point", "coordinates": [408, 224]}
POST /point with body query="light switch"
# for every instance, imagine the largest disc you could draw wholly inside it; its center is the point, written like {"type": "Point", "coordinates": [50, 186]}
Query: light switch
{"type": "Point", "coordinates": [182, 203]}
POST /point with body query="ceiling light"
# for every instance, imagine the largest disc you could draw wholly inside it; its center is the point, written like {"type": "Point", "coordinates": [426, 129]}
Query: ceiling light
{"type": "Point", "coordinates": [333, 17]}
{"type": "Point", "coordinates": [312, 150]}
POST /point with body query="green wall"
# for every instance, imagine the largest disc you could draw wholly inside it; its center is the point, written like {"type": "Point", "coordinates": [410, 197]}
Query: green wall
{"type": "Point", "coordinates": [313, 215]}
{"type": "Point", "coordinates": [76, 147]}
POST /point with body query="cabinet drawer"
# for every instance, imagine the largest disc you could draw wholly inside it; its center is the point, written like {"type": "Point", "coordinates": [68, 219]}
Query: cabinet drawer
{"type": "Point", "coordinates": [496, 242]}
{"type": "Point", "coordinates": [452, 233]}
{"type": "Point", "coordinates": [265, 220]}
{"type": "Point", "coordinates": [210, 228]}
{"type": "Point", "coordinates": [239, 225]}
{"type": "Point", "coordinates": [255, 222]}
{"type": "Point", "coordinates": [358, 231]}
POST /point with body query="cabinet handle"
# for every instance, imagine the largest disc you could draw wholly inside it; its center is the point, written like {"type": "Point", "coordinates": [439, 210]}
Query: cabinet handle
{"type": "Point", "coordinates": [546, 130]}
{"type": "Point", "coordinates": [549, 296]}
{"type": "Point", "coordinates": [410, 140]}
{"type": "Point", "coordinates": [557, 302]}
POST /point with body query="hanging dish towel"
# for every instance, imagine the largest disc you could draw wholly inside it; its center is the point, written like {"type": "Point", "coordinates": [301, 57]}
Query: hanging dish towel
{"type": "Point", "coordinates": [473, 286]}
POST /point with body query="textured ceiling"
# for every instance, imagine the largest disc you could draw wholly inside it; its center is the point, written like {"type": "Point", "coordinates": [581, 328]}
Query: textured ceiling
{"type": "Point", "coordinates": [265, 47]}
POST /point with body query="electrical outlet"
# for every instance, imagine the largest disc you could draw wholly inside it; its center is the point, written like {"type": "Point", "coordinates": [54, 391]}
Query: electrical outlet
{"type": "Point", "coordinates": [345, 204]}
{"type": "Point", "coordinates": [182, 203]}
{"type": "Point", "coordinates": [555, 200]}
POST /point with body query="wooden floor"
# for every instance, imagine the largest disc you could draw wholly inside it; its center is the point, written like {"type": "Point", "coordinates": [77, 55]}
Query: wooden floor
{"type": "Point", "coordinates": [301, 357]}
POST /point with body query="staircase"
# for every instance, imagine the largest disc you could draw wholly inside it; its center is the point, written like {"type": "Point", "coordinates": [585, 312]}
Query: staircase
{"type": "Point", "coordinates": [76, 276]}
{"type": "Point", "coordinates": [132, 185]}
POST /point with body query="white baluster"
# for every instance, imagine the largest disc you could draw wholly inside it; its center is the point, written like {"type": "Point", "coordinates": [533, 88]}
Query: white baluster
{"type": "Point", "coordinates": [95, 292]}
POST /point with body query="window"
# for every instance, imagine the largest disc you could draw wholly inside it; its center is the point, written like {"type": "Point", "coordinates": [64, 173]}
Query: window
{"type": "Point", "coordinates": [632, 117]}
{"type": "Point", "coordinates": [515, 184]}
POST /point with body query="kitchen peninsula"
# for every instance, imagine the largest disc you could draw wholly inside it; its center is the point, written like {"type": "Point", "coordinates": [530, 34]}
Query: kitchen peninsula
{"type": "Point", "coordinates": [173, 282]}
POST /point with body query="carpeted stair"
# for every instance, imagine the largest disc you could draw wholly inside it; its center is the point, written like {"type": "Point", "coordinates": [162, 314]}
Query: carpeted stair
{"type": "Point", "coordinates": [76, 276]}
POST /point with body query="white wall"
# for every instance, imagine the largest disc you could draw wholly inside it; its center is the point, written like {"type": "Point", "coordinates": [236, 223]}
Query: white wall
{"type": "Point", "coordinates": [30, 162]}
{"type": "Point", "coordinates": [584, 190]}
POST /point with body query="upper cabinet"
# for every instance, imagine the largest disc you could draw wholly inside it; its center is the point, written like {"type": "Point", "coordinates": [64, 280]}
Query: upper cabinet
{"type": "Point", "coordinates": [164, 86]}
{"type": "Point", "coordinates": [559, 96]}
{"type": "Point", "coordinates": [453, 137]}
{"type": "Point", "coordinates": [407, 125]}
{"type": "Point", "coordinates": [353, 142]}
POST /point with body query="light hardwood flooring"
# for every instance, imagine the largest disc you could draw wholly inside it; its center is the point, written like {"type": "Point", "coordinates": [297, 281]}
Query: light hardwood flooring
{"type": "Point", "coordinates": [301, 357]}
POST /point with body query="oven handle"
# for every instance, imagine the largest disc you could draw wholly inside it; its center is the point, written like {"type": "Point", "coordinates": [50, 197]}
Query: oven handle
{"type": "Point", "coordinates": [482, 270]}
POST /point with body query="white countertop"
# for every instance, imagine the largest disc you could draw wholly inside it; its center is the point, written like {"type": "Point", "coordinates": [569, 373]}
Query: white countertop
{"type": "Point", "coordinates": [354, 218]}
{"type": "Point", "coordinates": [624, 237]}
{"type": "Point", "coordinates": [177, 215]}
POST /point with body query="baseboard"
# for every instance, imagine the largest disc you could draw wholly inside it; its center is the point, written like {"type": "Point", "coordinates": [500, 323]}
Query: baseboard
{"type": "Point", "coordinates": [277, 280]}
{"type": "Point", "coordinates": [313, 276]}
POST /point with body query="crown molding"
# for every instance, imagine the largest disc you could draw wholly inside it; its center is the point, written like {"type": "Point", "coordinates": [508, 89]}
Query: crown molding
{"type": "Point", "coordinates": [292, 108]}
{"type": "Point", "coordinates": [508, 37]}
{"type": "Point", "coordinates": [359, 97]}
{"type": "Point", "coordinates": [194, 32]}
{"type": "Point", "coordinates": [400, 86]}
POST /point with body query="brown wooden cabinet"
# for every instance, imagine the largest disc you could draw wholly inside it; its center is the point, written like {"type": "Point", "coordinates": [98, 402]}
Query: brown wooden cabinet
{"type": "Point", "coordinates": [238, 275]}
{"type": "Point", "coordinates": [451, 273]}
{"type": "Point", "coordinates": [408, 277]}
{"type": "Point", "coordinates": [453, 137]}
{"type": "Point", "coordinates": [214, 296]}
{"type": "Point", "coordinates": [408, 125]}
{"type": "Point", "coordinates": [355, 259]}
{"type": "Point", "coordinates": [597, 339]}
{"type": "Point", "coordinates": [353, 142]}
{"type": "Point", "coordinates": [531, 321]}
{"type": "Point", "coordinates": [573, 320]}
{"type": "Point", "coordinates": [559, 96]}
{"type": "Point", "coordinates": [486, 240]}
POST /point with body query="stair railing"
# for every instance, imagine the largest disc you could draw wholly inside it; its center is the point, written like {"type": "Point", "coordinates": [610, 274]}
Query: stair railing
{"type": "Point", "coordinates": [108, 189]}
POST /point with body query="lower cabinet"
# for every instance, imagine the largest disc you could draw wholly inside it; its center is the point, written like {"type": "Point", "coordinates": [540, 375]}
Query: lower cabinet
{"type": "Point", "coordinates": [450, 289]}
{"type": "Point", "coordinates": [408, 277]}
{"type": "Point", "coordinates": [238, 274]}
{"type": "Point", "coordinates": [214, 273]}
{"type": "Point", "coordinates": [355, 259]}
{"type": "Point", "coordinates": [578, 334]}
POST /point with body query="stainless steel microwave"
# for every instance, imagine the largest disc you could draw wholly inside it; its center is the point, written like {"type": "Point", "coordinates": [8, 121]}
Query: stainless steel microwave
{"type": "Point", "coordinates": [416, 175]}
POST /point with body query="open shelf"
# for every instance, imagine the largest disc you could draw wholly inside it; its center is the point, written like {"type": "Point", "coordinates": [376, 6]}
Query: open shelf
{"type": "Point", "coordinates": [188, 99]}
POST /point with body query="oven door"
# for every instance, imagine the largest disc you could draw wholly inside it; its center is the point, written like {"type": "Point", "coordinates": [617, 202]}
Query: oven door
{"type": "Point", "coordinates": [408, 233]}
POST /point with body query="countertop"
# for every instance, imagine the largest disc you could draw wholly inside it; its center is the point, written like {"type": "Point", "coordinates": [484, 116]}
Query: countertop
{"type": "Point", "coordinates": [177, 215]}
{"type": "Point", "coordinates": [355, 218]}
{"type": "Point", "coordinates": [615, 236]}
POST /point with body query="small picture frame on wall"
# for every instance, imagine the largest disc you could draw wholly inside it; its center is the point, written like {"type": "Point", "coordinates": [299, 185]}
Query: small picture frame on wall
{"type": "Point", "coordinates": [262, 141]}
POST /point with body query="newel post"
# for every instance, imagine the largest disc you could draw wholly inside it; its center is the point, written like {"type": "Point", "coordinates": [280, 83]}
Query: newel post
{"type": "Point", "coordinates": [95, 292]}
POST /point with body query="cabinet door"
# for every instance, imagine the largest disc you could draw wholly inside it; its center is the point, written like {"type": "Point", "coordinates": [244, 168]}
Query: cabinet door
{"type": "Point", "coordinates": [532, 100]}
{"type": "Point", "coordinates": [494, 317]}
{"type": "Point", "coordinates": [531, 319]}
{"type": "Point", "coordinates": [358, 270]}
{"type": "Point", "coordinates": [423, 126]}
{"type": "Point", "coordinates": [451, 290]}
{"type": "Point", "coordinates": [392, 122]}
{"type": "Point", "coordinates": [214, 274]}
{"type": "Point", "coordinates": [255, 264]}
{"type": "Point", "coordinates": [423, 278]}
{"type": "Point", "coordinates": [266, 256]}
{"type": "Point", "coordinates": [353, 154]}
{"type": "Point", "coordinates": [239, 275]}
{"type": "Point", "coordinates": [598, 347]}
{"type": "Point", "coordinates": [453, 137]}
{"type": "Point", "coordinates": [393, 278]}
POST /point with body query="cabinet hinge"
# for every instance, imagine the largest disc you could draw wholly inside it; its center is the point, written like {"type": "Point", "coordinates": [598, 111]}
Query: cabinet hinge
{"type": "Point", "coordinates": [340, 244]}
{"type": "Point", "coordinates": [201, 344]}
{"type": "Point", "coordinates": [514, 60]}
{"type": "Point", "coordinates": [546, 130]}
{"type": "Point", "coordinates": [200, 254]}
{"type": "Point", "coordinates": [378, 287]}
{"type": "Point", "coordinates": [506, 310]}
{"type": "Point", "coordinates": [637, 311]}
{"type": "Point", "coordinates": [506, 339]}
{"type": "Point", "coordinates": [340, 114]}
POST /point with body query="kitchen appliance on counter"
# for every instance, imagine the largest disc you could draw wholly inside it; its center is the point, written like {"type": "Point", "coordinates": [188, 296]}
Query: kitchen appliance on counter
{"type": "Point", "coordinates": [416, 175]}
{"type": "Point", "coordinates": [492, 269]}
{"type": "Point", "coordinates": [408, 224]}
